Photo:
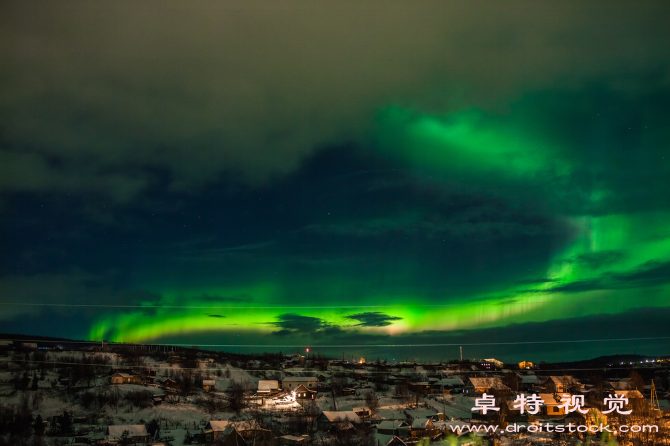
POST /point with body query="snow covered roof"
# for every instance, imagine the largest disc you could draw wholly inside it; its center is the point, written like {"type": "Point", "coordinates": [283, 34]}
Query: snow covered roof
{"type": "Point", "coordinates": [449, 382]}
{"type": "Point", "coordinates": [268, 385]}
{"type": "Point", "coordinates": [550, 399]}
{"type": "Point", "coordinates": [217, 426]}
{"type": "Point", "coordinates": [421, 423]}
{"type": "Point", "coordinates": [559, 380]}
{"type": "Point", "coordinates": [488, 383]}
{"type": "Point", "coordinates": [388, 424]}
{"type": "Point", "coordinates": [629, 393]}
{"type": "Point", "coordinates": [340, 415]}
{"type": "Point", "coordinates": [302, 388]}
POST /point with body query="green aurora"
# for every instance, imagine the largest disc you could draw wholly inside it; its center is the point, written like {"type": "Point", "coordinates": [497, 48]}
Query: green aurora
{"type": "Point", "coordinates": [461, 145]}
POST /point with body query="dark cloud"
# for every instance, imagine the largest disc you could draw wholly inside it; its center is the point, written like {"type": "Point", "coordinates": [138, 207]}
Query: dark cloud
{"type": "Point", "coordinates": [215, 315]}
{"type": "Point", "coordinates": [649, 274]}
{"type": "Point", "coordinates": [599, 259]}
{"type": "Point", "coordinates": [113, 98]}
{"type": "Point", "coordinates": [294, 323]}
{"type": "Point", "coordinates": [373, 319]}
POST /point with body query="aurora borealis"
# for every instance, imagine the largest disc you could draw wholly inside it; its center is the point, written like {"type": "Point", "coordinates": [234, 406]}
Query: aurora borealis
{"type": "Point", "coordinates": [255, 177]}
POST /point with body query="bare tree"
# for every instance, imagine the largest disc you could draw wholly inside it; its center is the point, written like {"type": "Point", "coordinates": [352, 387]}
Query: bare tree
{"type": "Point", "coordinates": [236, 395]}
{"type": "Point", "coordinates": [635, 381]}
{"type": "Point", "coordinates": [402, 391]}
{"type": "Point", "coordinates": [372, 402]}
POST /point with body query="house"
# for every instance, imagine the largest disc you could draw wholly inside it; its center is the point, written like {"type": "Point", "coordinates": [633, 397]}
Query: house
{"type": "Point", "coordinates": [362, 412]}
{"type": "Point", "coordinates": [561, 384]}
{"type": "Point", "coordinates": [149, 376]}
{"type": "Point", "coordinates": [170, 385]}
{"type": "Point", "coordinates": [590, 418]}
{"type": "Point", "coordinates": [630, 394]}
{"type": "Point", "coordinates": [216, 428]}
{"type": "Point", "coordinates": [421, 427]}
{"type": "Point", "coordinates": [252, 432]}
{"type": "Point", "coordinates": [225, 432]}
{"type": "Point", "coordinates": [303, 393]}
{"type": "Point", "coordinates": [515, 414]}
{"type": "Point", "coordinates": [293, 382]}
{"type": "Point", "coordinates": [484, 385]}
{"type": "Point", "coordinates": [341, 419]}
{"type": "Point", "coordinates": [228, 437]}
{"type": "Point", "coordinates": [396, 441]}
{"type": "Point", "coordinates": [137, 433]}
{"type": "Point", "coordinates": [125, 378]}
{"type": "Point", "coordinates": [491, 363]}
{"type": "Point", "coordinates": [446, 385]}
{"type": "Point", "coordinates": [549, 407]}
{"type": "Point", "coordinates": [419, 387]}
{"type": "Point", "coordinates": [236, 432]}
{"type": "Point", "coordinates": [290, 440]}
{"type": "Point", "coordinates": [208, 384]}
{"type": "Point", "coordinates": [635, 401]}
{"type": "Point", "coordinates": [526, 365]}
{"type": "Point", "coordinates": [388, 427]}
{"type": "Point", "coordinates": [268, 387]}
{"type": "Point", "coordinates": [528, 381]}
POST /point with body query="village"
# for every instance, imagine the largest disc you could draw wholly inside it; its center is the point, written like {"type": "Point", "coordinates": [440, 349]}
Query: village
{"type": "Point", "coordinates": [119, 394]}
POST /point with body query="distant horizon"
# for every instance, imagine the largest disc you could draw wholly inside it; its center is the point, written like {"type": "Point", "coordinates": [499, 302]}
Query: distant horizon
{"type": "Point", "coordinates": [316, 351]}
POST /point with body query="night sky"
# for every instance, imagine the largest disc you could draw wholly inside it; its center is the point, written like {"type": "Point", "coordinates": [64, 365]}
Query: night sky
{"type": "Point", "coordinates": [388, 179]}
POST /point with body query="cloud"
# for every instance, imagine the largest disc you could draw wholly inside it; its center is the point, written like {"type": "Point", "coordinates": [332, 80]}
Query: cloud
{"type": "Point", "coordinates": [599, 259]}
{"type": "Point", "coordinates": [114, 98]}
{"type": "Point", "coordinates": [215, 315]}
{"type": "Point", "coordinates": [373, 319]}
{"type": "Point", "coordinates": [649, 274]}
{"type": "Point", "coordinates": [295, 324]}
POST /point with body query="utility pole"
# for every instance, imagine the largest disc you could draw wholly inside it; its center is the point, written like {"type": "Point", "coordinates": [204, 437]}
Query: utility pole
{"type": "Point", "coordinates": [461, 353]}
{"type": "Point", "coordinates": [444, 404]}
{"type": "Point", "coordinates": [654, 397]}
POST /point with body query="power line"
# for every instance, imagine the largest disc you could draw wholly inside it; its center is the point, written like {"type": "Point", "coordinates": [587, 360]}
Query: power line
{"type": "Point", "coordinates": [350, 345]}
{"type": "Point", "coordinates": [342, 307]}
